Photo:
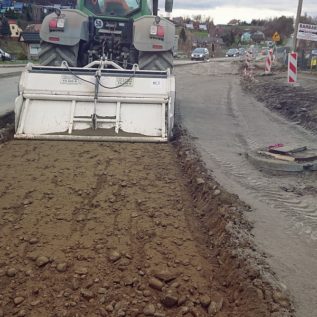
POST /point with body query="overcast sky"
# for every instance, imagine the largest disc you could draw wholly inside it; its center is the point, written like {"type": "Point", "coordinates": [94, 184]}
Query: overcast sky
{"type": "Point", "coordinates": [222, 11]}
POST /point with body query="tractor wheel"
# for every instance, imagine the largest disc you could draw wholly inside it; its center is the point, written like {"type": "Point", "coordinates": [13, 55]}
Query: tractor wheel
{"type": "Point", "coordinates": [156, 60]}
{"type": "Point", "coordinates": [53, 55]}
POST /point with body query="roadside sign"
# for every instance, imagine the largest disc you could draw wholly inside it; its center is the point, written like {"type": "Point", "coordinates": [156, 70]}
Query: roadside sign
{"type": "Point", "coordinates": [276, 37]}
{"type": "Point", "coordinates": [307, 32]}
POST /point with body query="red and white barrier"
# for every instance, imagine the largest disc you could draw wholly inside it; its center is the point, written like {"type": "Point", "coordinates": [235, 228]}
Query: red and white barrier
{"type": "Point", "coordinates": [268, 62]}
{"type": "Point", "coordinates": [292, 68]}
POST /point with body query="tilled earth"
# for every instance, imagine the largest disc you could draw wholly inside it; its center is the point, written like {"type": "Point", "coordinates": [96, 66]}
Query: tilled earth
{"type": "Point", "coordinates": [105, 229]}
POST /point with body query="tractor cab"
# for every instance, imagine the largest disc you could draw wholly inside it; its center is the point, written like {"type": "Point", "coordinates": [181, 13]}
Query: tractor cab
{"type": "Point", "coordinates": [116, 8]}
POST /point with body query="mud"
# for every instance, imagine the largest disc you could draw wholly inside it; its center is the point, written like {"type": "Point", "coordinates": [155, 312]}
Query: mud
{"type": "Point", "coordinates": [6, 127]}
{"type": "Point", "coordinates": [297, 103]}
{"type": "Point", "coordinates": [106, 229]}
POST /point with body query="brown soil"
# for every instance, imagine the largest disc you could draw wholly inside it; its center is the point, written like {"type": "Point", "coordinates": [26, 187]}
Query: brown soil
{"type": "Point", "coordinates": [105, 229]}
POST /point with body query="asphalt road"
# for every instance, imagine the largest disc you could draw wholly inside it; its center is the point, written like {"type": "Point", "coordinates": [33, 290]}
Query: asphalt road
{"type": "Point", "coordinates": [9, 91]}
{"type": "Point", "coordinates": [225, 123]}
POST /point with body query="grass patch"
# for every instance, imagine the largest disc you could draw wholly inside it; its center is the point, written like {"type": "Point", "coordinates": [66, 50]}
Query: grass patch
{"type": "Point", "coordinates": [15, 48]}
{"type": "Point", "coordinates": [15, 62]}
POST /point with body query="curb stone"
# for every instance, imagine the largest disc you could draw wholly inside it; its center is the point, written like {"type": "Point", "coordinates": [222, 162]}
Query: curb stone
{"type": "Point", "coordinates": [12, 65]}
{"type": "Point", "coordinates": [276, 165]}
{"type": "Point", "coordinates": [270, 164]}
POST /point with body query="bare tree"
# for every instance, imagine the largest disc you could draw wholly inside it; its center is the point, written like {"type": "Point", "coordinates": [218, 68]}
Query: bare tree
{"type": "Point", "coordinates": [37, 13]}
{"type": "Point", "coordinates": [197, 17]}
{"type": "Point", "coordinates": [283, 25]}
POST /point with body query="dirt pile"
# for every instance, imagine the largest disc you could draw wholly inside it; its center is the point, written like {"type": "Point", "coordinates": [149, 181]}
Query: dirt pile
{"type": "Point", "coordinates": [104, 229]}
{"type": "Point", "coordinates": [296, 103]}
{"type": "Point", "coordinates": [6, 127]}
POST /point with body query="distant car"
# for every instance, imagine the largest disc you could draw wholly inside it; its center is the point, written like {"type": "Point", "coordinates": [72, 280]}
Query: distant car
{"type": "Point", "coordinates": [4, 56]}
{"type": "Point", "coordinates": [314, 52]}
{"type": "Point", "coordinates": [200, 53]}
{"type": "Point", "coordinates": [232, 52]}
{"type": "Point", "coordinates": [241, 51]}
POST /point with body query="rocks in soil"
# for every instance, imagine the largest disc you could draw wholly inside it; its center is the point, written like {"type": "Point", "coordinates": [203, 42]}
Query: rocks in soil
{"type": "Point", "coordinates": [87, 294]}
{"type": "Point", "coordinates": [114, 256]}
{"type": "Point", "coordinates": [75, 284]}
{"type": "Point", "coordinates": [103, 312]}
{"type": "Point", "coordinates": [169, 299]}
{"type": "Point", "coordinates": [33, 240]}
{"type": "Point", "coordinates": [41, 261]}
{"type": "Point", "coordinates": [184, 310]}
{"type": "Point", "coordinates": [156, 283]}
{"type": "Point", "coordinates": [200, 181]}
{"type": "Point", "coordinates": [217, 192]}
{"type": "Point", "coordinates": [166, 276]}
{"type": "Point", "coordinates": [102, 290]}
{"type": "Point", "coordinates": [18, 300]}
{"type": "Point", "coordinates": [280, 298]}
{"type": "Point", "coordinates": [149, 310]}
{"type": "Point", "coordinates": [182, 300]}
{"type": "Point", "coordinates": [215, 305]}
{"type": "Point", "coordinates": [204, 300]}
{"type": "Point", "coordinates": [11, 272]}
{"type": "Point", "coordinates": [110, 308]}
{"type": "Point", "coordinates": [81, 270]}
{"type": "Point", "coordinates": [35, 302]}
{"type": "Point", "coordinates": [61, 267]}
{"type": "Point", "coordinates": [146, 293]}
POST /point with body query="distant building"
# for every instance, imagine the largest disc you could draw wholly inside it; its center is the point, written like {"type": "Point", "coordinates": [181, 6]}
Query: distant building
{"type": "Point", "coordinates": [202, 27]}
{"type": "Point", "coordinates": [189, 26]}
{"type": "Point", "coordinates": [31, 38]}
{"type": "Point", "coordinates": [15, 29]}
{"type": "Point", "coordinates": [18, 6]}
{"type": "Point", "coordinates": [6, 5]}
{"type": "Point", "coordinates": [207, 41]}
{"type": "Point", "coordinates": [51, 8]}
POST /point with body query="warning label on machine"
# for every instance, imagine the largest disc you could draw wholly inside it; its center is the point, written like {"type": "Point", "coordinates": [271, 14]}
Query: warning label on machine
{"type": "Point", "coordinates": [69, 80]}
{"type": "Point", "coordinates": [125, 82]}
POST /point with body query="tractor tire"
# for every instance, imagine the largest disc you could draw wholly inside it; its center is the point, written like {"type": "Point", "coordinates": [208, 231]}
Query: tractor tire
{"type": "Point", "coordinates": [54, 55]}
{"type": "Point", "coordinates": [156, 60]}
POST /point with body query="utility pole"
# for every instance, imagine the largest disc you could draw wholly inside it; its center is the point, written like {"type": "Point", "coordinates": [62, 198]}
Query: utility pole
{"type": "Point", "coordinates": [299, 11]}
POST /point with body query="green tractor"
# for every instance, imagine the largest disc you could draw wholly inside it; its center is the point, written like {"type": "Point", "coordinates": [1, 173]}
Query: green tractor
{"type": "Point", "coordinates": [126, 32]}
